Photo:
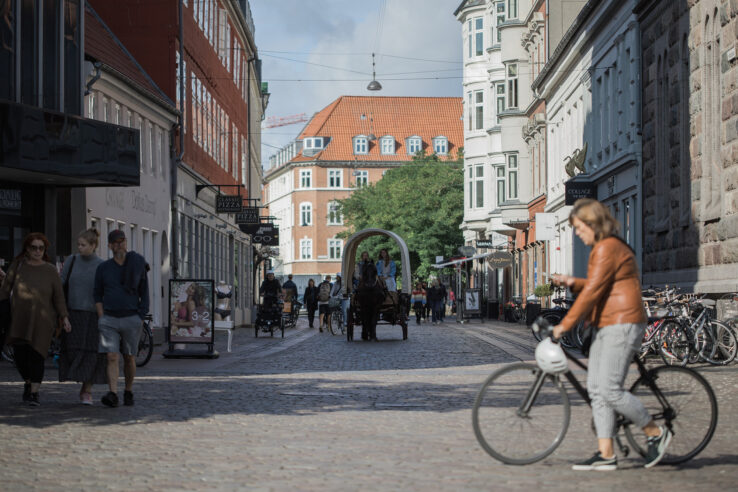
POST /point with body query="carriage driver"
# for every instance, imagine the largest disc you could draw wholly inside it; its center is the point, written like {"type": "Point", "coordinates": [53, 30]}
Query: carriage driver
{"type": "Point", "coordinates": [270, 289]}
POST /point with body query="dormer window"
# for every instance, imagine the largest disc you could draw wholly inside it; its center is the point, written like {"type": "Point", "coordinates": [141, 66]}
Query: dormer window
{"type": "Point", "coordinates": [440, 145]}
{"type": "Point", "coordinates": [312, 143]}
{"type": "Point", "coordinates": [387, 145]}
{"type": "Point", "coordinates": [361, 145]}
{"type": "Point", "coordinates": [414, 145]}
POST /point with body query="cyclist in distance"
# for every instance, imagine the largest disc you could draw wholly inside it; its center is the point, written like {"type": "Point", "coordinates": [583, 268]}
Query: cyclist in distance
{"type": "Point", "coordinates": [610, 298]}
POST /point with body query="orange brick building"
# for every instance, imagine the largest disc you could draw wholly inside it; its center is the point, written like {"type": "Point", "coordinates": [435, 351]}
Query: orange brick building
{"type": "Point", "coordinates": [349, 143]}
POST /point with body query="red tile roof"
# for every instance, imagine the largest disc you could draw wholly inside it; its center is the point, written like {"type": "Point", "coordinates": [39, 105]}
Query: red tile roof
{"type": "Point", "coordinates": [399, 117]}
{"type": "Point", "coordinates": [102, 45]}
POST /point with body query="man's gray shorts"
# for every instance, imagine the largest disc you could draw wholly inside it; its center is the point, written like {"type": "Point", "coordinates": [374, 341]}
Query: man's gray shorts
{"type": "Point", "coordinates": [119, 334]}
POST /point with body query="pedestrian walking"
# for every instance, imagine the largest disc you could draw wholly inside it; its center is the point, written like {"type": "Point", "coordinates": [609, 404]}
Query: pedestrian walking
{"type": "Point", "coordinates": [610, 298]}
{"type": "Point", "coordinates": [36, 304]}
{"type": "Point", "coordinates": [122, 302]}
{"type": "Point", "coordinates": [387, 270]}
{"type": "Point", "coordinates": [452, 300]}
{"type": "Point", "coordinates": [324, 295]}
{"type": "Point", "coordinates": [290, 289]}
{"type": "Point", "coordinates": [310, 297]}
{"type": "Point", "coordinates": [435, 298]}
{"type": "Point", "coordinates": [444, 299]}
{"type": "Point", "coordinates": [79, 357]}
{"type": "Point", "coordinates": [427, 310]}
{"type": "Point", "coordinates": [418, 301]}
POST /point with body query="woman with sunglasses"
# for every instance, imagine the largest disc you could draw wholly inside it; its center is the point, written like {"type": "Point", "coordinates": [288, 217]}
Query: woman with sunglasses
{"type": "Point", "coordinates": [37, 301]}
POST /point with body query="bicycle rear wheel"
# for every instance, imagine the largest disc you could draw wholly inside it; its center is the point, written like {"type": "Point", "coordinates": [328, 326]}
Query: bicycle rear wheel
{"type": "Point", "coordinates": [724, 340]}
{"type": "Point", "coordinates": [502, 427]}
{"type": "Point", "coordinates": [674, 344]}
{"type": "Point", "coordinates": [689, 410]}
{"type": "Point", "coordinates": [145, 347]}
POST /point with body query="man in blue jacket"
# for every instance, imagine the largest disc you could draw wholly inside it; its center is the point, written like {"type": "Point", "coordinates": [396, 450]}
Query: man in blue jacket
{"type": "Point", "coordinates": [122, 301]}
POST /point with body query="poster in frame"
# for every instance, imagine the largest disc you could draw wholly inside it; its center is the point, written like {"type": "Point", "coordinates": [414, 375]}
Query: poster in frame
{"type": "Point", "coordinates": [191, 311]}
{"type": "Point", "coordinates": [472, 301]}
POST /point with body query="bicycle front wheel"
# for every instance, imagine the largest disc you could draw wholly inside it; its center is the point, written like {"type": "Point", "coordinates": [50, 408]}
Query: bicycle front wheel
{"type": "Point", "coordinates": [505, 429]}
{"type": "Point", "coordinates": [145, 347]}
{"type": "Point", "coordinates": [689, 409]}
{"type": "Point", "coordinates": [725, 345]}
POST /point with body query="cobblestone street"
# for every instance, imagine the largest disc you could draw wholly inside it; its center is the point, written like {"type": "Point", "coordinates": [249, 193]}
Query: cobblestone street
{"type": "Point", "coordinates": [313, 412]}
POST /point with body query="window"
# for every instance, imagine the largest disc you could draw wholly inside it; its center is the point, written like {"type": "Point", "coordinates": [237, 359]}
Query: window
{"type": "Point", "coordinates": [512, 175]}
{"type": "Point", "coordinates": [512, 86]}
{"type": "Point", "coordinates": [478, 110]}
{"type": "Point", "coordinates": [361, 145]}
{"type": "Point", "coordinates": [106, 110]}
{"type": "Point", "coordinates": [334, 249]}
{"type": "Point", "coordinates": [478, 36]}
{"type": "Point", "coordinates": [479, 184]}
{"type": "Point", "coordinates": [470, 180]}
{"type": "Point", "coordinates": [414, 145]}
{"type": "Point", "coordinates": [334, 214]}
{"type": "Point", "coordinates": [387, 145]}
{"type": "Point", "coordinates": [500, 185]}
{"type": "Point", "coordinates": [91, 105]}
{"type": "Point", "coordinates": [306, 178]}
{"type": "Point", "coordinates": [334, 178]}
{"type": "Point", "coordinates": [362, 178]}
{"type": "Point", "coordinates": [440, 145]}
{"type": "Point", "coordinates": [116, 115]}
{"type": "Point", "coordinates": [313, 143]}
{"type": "Point", "coordinates": [152, 148]}
{"type": "Point", "coordinates": [500, 20]}
{"type": "Point", "coordinates": [512, 9]}
{"type": "Point", "coordinates": [306, 249]}
{"type": "Point", "coordinates": [306, 214]}
{"type": "Point", "coordinates": [500, 100]}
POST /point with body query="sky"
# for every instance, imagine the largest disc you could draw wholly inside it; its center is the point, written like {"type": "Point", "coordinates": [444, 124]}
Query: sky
{"type": "Point", "coordinates": [314, 51]}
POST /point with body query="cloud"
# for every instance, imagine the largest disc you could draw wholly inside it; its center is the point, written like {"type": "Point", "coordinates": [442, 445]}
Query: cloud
{"type": "Point", "coordinates": [418, 45]}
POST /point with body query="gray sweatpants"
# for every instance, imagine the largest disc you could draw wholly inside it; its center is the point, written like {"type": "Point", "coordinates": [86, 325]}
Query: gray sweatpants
{"type": "Point", "coordinates": [609, 358]}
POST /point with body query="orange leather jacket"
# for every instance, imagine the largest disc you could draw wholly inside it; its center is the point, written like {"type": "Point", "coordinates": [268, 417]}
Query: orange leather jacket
{"type": "Point", "coordinates": [611, 293]}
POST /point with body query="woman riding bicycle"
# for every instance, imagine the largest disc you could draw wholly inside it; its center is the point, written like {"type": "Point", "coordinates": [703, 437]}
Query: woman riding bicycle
{"type": "Point", "coordinates": [610, 298]}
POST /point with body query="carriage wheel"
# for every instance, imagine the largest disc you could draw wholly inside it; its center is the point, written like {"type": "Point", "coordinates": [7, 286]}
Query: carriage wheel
{"type": "Point", "coordinates": [350, 325]}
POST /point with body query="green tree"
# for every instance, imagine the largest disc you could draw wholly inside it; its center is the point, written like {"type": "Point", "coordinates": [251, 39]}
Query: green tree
{"type": "Point", "coordinates": [422, 202]}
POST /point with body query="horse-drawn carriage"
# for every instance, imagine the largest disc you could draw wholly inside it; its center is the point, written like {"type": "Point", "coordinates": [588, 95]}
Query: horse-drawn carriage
{"type": "Point", "coordinates": [364, 309]}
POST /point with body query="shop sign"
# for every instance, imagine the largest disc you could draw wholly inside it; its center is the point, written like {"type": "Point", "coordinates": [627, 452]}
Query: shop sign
{"type": "Point", "coordinates": [500, 259]}
{"type": "Point", "coordinates": [484, 243]}
{"type": "Point", "coordinates": [266, 234]}
{"type": "Point", "coordinates": [228, 204]}
{"type": "Point", "coordinates": [579, 189]}
{"type": "Point", "coordinates": [467, 250]}
{"type": "Point", "coordinates": [11, 199]}
{"type": "Point", "coordinates": [248, 215]}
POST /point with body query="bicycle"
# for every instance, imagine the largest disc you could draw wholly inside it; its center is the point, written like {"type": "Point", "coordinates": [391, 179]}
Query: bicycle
{"type": "Point", "coordinates": [145, 343]}
{"type": "Point", "coordinates": [520, 406]}
{"type": "Point", "coordinates": [337, 325]}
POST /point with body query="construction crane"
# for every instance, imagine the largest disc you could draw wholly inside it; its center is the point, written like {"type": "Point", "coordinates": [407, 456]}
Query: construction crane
{"type": "Point", "coordinates": [275, 121]}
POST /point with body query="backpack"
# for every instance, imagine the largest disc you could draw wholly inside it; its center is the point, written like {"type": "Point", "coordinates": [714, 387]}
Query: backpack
{"type": "Point", "coordinates": [324, 292]}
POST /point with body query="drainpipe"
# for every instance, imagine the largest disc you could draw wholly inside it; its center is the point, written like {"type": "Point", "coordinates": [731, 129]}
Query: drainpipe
{"type": "Point", "coordinates": [94, 79]}
{"type": "Point", "coordinates": [637, 213]}
{"type": "Point", "coordinates": [177, 159]}
{"type": "Point", "coordinates": [252, 297]}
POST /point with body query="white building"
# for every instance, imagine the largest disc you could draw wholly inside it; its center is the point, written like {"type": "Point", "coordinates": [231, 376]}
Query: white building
{"type": "Point", "coordinates": [120, 92]}
{"type": "Point", "coordinates": [592, 90]}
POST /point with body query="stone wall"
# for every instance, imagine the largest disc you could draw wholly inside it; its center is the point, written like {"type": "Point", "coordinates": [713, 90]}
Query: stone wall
{"type": "Point", "coordinates": [690, 143]}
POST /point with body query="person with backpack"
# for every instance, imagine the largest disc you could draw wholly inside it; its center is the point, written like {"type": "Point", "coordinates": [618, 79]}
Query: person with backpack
{"type": "Point", "coordinates": [324, 295]}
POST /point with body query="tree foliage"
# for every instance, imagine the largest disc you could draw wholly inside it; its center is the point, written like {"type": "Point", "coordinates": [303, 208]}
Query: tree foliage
{"type": "Point", "coordinates": [422, 202]}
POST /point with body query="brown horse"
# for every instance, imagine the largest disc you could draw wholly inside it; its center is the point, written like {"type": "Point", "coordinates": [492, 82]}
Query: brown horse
{"type": "Point", "coordinates": [370, 294]}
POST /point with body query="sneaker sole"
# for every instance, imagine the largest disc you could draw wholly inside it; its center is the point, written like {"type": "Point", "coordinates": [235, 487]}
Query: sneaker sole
{"type": "Point", "coordinates": [663, 452]}
{"type": "Point", "coordinates": [594, 468]}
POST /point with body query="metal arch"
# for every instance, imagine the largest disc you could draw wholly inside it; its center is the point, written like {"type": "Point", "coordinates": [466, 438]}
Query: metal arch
{"type": "Point", "coordinates": [348, 264]}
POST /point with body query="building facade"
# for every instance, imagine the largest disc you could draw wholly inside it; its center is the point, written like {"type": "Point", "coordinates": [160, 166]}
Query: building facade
{"type": "Point", "coordinates": [121, 93]}
{"type": "Point", "coordinates": [47, 147]}
{"type": "Point", "coordinates": [348, 144]}
{"type": "Point", "coordinates": [690, 143]}
{"type": "Point", "coordinates": [203, 56]}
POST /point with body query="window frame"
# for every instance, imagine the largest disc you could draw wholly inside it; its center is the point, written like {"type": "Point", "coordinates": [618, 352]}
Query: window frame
{"type": "Point", "coordinates": [334, 216]}
{"type": "Point", "coordinates": [306, 214]}
{"type": "Point", "coordinates": [386, 141]}
{"type": "Point", "coordinates": [411, 142]}
{"type": "Point", "coordinates": [512, 175]}
{"type": "Point", "coordinates": [478, 110]}
{"type": "Point", "coordinates": [501, 99]}
{"type": "Point", "coordinates": [440, 142]}
{"type": "Point", "coordinates": [363, 141]}
{"type": "Point", "coordinates": [335, 248]}
{"type": "Point", "coordinates": [501, 183]}
{"type": "Point", "coordinates": [362, 178]}
{"type": "Point", "coordinates": [306, 249]}
{"type": "Point", "coordinates": [512, 85]}
{"type": "Point", "coordinates": [478, 185]}
{"type": "Point", "coordinates": [335, 178]}
{"type": "Point", "coordinates": [306, 175]}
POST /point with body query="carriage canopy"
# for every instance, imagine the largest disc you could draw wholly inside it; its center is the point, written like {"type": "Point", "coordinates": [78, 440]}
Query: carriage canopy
{"type": "Point", "coordinates": [348, 264]}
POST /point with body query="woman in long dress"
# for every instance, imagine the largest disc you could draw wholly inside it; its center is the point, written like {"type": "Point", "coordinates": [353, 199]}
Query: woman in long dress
{"type": "Point", "coordinates": [387, 270]}
{"type": "Point", "coordinates": [79, 359]}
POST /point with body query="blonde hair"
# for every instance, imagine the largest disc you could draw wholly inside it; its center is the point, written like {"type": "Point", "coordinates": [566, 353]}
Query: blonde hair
{"type": "Point", "coordinates": [595, 215]}
{"type": "Point", "coordinates": [91, 236]}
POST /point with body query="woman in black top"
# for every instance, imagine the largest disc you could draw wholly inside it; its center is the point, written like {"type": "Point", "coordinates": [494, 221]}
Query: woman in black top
{"type": "Point", "coordinates": [311, 300]}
